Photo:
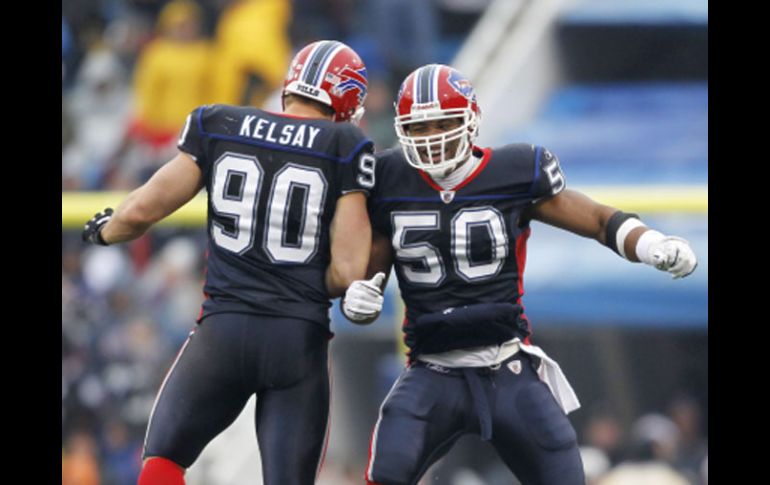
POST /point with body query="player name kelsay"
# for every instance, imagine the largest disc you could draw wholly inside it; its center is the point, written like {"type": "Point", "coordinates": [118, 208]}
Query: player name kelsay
{"type": "Point", "coordinates": [300, 135]}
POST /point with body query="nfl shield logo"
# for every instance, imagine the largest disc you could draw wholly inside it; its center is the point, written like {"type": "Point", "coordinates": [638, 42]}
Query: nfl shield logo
{"type": "Point", "coordinates": [447, 196]}
{"type": "Point", "coordinates": [515, 366]}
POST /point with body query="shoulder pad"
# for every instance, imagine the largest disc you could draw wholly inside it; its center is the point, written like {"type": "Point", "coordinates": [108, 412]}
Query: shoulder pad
{"type": "Point", "coordinates": [351, 141]}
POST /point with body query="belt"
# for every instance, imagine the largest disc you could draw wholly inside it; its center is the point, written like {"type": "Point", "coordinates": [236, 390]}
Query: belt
{"type": "Point", "coordinates": [471, 376]}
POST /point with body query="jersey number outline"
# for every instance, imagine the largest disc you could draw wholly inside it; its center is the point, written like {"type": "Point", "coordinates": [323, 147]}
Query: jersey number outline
{"type": "Point", "coordinates": [237, 183]}
{"type": "Point", "coordinates": [366, 164]}
{"type": "Point", "coordinates": [430, 269]}
{"type": "Point", "coordinates": [555, 176]}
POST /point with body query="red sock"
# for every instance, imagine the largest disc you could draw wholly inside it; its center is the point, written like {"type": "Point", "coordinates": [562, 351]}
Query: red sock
{"type": "Point", "coordinates": [160, 471]}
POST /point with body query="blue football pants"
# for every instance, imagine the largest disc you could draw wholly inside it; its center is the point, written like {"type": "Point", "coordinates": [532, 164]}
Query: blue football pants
{"type": "Point", "coordinates": [226, 359]}
{"type": "Point", "coordinates": [429, 408]}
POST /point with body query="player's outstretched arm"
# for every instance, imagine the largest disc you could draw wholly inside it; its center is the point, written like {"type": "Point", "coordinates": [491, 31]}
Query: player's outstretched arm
{"type": "Point", "coordinates": [623, 233]}
{"type": "Point", "coordinates": [351, 242]}
{"type": "Point", "coordinates": [363, 300]}
{"type": "Point", "coordinates": [172, 186]}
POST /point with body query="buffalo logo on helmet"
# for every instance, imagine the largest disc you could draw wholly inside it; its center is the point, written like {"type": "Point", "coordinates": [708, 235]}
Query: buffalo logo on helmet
{"type": "Point", "coordinates": [350, 79]}
{"type": "Point", "coordinates": [461, 84]}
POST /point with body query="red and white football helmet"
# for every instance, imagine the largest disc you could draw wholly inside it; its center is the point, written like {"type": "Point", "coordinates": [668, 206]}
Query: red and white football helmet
{"type": "Point", "coordinates": [434, 92]}
{"type": "Point", "coordinates": [332, 73]}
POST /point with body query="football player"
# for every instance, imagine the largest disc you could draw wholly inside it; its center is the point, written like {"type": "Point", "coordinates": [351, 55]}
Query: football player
{"type": "Point", "coordinates": [287, 230]}
{"type": "Point", "coordinates": [454, 218]}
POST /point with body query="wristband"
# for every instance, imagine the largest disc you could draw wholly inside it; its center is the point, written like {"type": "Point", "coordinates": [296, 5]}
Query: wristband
{"type": "Point", "coordinates": [619, 227]}
{"type": "Point", "coordinates": [643, 245]}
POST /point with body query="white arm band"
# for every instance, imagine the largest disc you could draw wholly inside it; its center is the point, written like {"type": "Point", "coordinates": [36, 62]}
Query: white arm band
{"type": "Point", "coordinates": [643, 245]}
{"type": "Point", "coordinates": [623, 231]}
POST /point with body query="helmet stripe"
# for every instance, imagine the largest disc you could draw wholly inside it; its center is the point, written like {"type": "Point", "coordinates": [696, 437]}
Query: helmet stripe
{"type": "Point", "coordinates": [327, 62]}
{"type": "Point", "coordinates": [424, 84]}
{"type": "Point", "coordinates": [415, 86]}
{"type": "Point", "coordinates": [312, 63]}
{"type": "Point", "coordinates": [316, 62]}
{"type": "Point", "coordinates": [434, 83]}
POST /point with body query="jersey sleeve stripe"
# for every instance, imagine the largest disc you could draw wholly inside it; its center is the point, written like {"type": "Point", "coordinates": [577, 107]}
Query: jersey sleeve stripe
{"type": "Point", "coordinates": [354, 153]}
{"type": "Point", "coordinates": [200, 120]}
{"type": "Point", "coordinates": [536, 177]}
{"type": "Point", "coordinates": [185, 130]}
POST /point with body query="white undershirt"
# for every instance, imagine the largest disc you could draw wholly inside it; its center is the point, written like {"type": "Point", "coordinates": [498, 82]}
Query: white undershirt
{"type": "Point", "coordinates": [455, 178]}
{"type": "Point", "coordinates": [484, 356]}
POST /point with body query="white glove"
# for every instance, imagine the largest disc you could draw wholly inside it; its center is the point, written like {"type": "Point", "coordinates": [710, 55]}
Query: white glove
{"type": "Point", "coordinates": [363, 299]}
{"type": "Point", "coordinates": [672, 254]}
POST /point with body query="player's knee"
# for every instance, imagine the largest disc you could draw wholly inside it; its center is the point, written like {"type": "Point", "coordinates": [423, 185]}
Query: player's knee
{"type": "Point", "coordinates": [395, 462]}
{"type": "Point", "coordinates": [387, 481]}
{"type": "Point", "coordinates": [160, 471]}
{"type": "Point", "coordinates": [388, 477]}
{"type": "Point", "coordinates": [385, 468]}
{"type": "Point", "coordinates": [547, 423]}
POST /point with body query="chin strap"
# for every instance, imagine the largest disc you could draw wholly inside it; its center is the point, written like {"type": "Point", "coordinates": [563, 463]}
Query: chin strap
{"type": "Point", "coordinates": [356, 117]}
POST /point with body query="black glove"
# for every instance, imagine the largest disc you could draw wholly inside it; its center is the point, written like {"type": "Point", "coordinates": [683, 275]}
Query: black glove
{"type": "Point", "coordinates": [93, 228]}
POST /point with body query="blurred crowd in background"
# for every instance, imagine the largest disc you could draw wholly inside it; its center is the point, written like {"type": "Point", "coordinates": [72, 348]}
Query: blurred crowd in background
{"type": "Point", "coordinates": [133, 69]}
{"type": "Point", "coordinates": [131, 72]}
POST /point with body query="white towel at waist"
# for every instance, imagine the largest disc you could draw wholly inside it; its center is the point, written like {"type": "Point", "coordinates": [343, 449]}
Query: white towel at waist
{"type": "Point", "coordinates": [550, 373]}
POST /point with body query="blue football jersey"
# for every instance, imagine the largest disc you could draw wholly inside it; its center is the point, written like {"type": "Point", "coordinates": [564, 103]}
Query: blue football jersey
{"type": "Point", "coordinates": [467, 246]}
{"type": "Point", "coordinates": [273, 181]}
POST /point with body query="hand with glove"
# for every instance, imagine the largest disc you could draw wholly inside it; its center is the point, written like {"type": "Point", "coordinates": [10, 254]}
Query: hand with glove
{"type": "Point", "coordinates": [666, 253]}
{"type": "Point", "coordinates": [363, 299]}
{"type": "Point", "coordinates": [92, 232]}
